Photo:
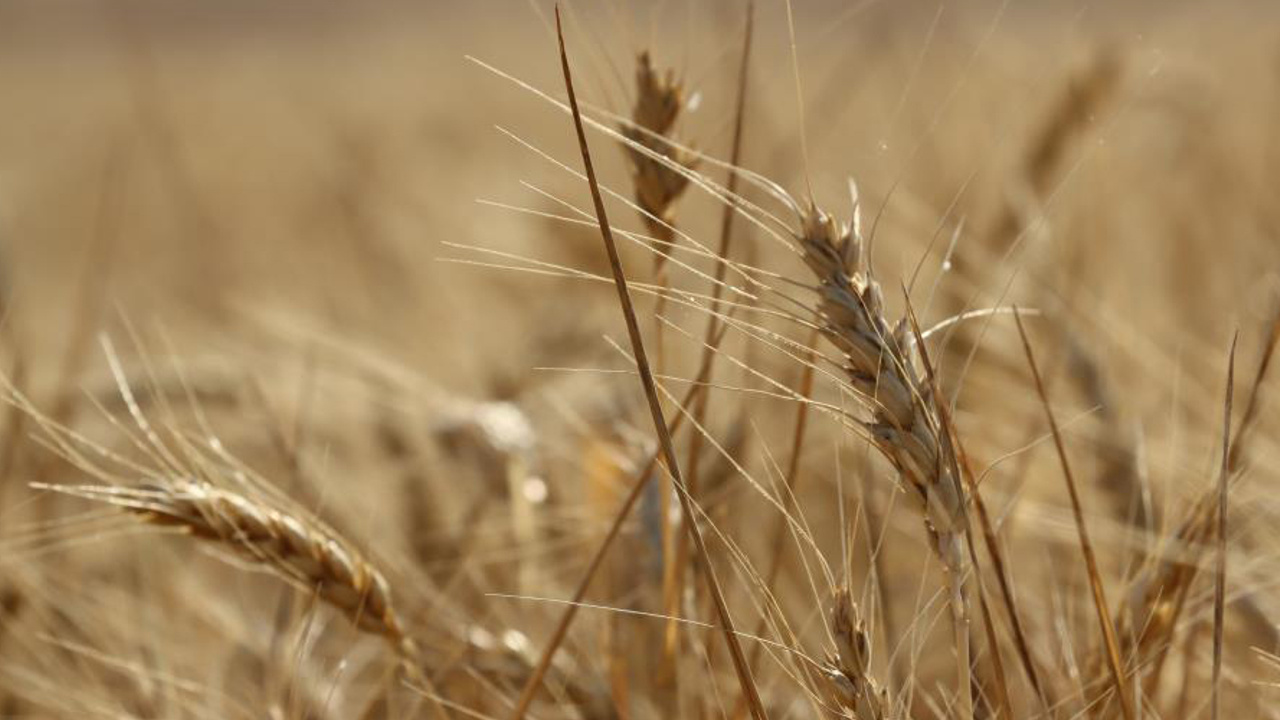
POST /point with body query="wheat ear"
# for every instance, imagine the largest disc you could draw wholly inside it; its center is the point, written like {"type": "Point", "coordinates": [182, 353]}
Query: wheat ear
{"type": "Point", "coordinates": [659, 101]}
{"type": "Point", "coordinates": [880, 362]}
{"type": "Point", "coordinates": [299, 549]}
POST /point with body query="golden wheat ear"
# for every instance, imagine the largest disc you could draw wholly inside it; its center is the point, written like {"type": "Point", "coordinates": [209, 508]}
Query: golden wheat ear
{"type": "Point", "coordinates": [882, 362]}
{"type": "Point", "coordinates": [297, 548]}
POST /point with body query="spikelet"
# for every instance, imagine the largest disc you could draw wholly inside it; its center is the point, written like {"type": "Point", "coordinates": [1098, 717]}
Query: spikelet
{"type": "Point", "coordinates": [849, 669]}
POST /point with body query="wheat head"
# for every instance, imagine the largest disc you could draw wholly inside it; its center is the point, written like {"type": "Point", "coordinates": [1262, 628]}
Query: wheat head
{"type": "Point", "coordinates": [299, 549]}
{"type": "Point", "coordinates": [880, 364]}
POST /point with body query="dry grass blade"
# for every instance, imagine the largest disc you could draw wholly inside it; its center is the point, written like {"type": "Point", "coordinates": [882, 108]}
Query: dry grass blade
{"type": "Point", "coordinates": [1086, 547]}
{"type": "Point", "coordinates": [1254, 402]}
{"type": "Point", "coordinates": [651, 393]}
{"type": "Point", "coordinates": [1158, 592]}
{"type": "Point", "coordinates": [1220, 579]}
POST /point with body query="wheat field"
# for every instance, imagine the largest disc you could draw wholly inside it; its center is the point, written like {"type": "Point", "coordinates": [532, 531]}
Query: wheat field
{"type": "Point", "coordinates": [939, 385]}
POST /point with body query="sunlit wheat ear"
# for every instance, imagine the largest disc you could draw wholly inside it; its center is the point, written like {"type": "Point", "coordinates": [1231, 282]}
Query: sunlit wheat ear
{"type": "Point", "coordinates": [880, 363]}
{"type": "Point", "coordinates": [659, 102]}
{"type": "Point", "coordinates": [849, 668]}
{"type": "Point", "coordinates": [299, 549]}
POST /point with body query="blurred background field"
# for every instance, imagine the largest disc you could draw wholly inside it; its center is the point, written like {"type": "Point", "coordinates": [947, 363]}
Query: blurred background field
{"type": "Point", "coordinates": [314, 155]}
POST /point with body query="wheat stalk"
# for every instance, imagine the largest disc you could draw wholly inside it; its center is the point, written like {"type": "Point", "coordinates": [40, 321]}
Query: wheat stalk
{"type": "Point", "coordinates": [745, 680]}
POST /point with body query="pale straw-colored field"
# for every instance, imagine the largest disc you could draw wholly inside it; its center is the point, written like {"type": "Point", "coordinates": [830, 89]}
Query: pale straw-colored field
{"type": "Point", "coordinates": [321, 402]}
